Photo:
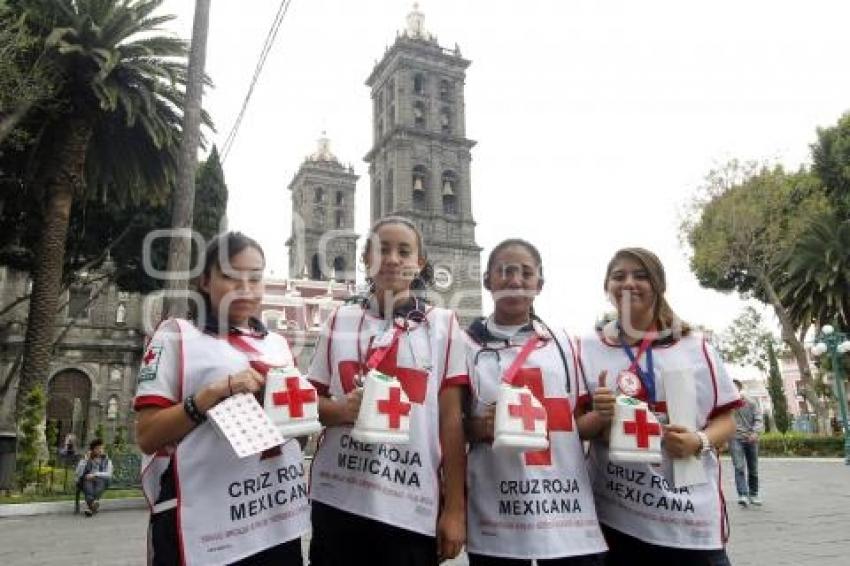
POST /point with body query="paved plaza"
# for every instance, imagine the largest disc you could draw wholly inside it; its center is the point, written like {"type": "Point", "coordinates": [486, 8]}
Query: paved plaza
{"type": "Point", "coordinates": [805, 520]}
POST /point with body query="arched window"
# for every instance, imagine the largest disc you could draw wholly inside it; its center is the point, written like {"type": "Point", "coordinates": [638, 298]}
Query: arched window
{"type": "Point", "coordinates": [420, 187]}
{"type": "Point", "coordinates": [121, 314]}
{"type": "Point", "coordinates": [391, 116]}
{"type": "Point", "coordinates": [376, 200]}
{"type": "Point", "coordinates": [445, 120]}
{"type": "Point", "coordinates": [390, 90]}
{"type": "Point", "coordinates": [419, 114]}
{"type": "Point", "coordinates": [340, 198]}
{"type": "Point", "coordinates": [449, 192]}
{"type": "Point", "coordinates": [338, 217]}
{"type": "Point", "coordinates": [419, 83]}
{"type": "Point", "coordinates": [112, 408]}
{"type": "Point", "coordinates": [319, 195]}
{"type": "Point", "coordinates": [445, 90]}
{"type": "Point", "coordinates": [339, 268]}
{"type": "Point", "coordinates": [315, 268]}
{"type": "Point", "coordinates": [389, 190]}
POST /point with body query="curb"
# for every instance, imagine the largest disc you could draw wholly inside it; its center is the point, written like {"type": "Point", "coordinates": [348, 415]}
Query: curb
{"type": "Point", "coordinates": [66, 507]}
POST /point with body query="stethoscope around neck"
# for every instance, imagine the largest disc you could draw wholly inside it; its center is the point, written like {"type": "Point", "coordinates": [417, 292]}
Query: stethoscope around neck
{"type": "Point", "coordinates": [492, 346]}
{"type": "Point", "coordinates": [416, 315]}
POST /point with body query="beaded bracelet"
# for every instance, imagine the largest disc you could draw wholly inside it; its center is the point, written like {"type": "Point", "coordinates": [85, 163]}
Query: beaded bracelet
{"type": "Point", "coordinates": [192, 410]}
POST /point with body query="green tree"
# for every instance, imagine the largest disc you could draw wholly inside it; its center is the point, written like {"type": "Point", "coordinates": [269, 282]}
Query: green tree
{"type": "Point", "coordinates": [777, 392]}
{"type": "Point", "coordinates": [814, 276]}
{"type": "Point", "coordinates": [99, 432]}
{"type": "Point", "coordinates": [831, 163]}
{"type": "Point", "coordinates": [31, 418]}
{"type": "Point", "coordinates": [745, 342]}
{"type": "Point", "coordinates": [23, 82]}
{"type": "Point", "coordinates": [210, 196]}
{"type": "Point", "coordinates": [111, 133]}
{"type": "Point", "coordinates": [740, 231]}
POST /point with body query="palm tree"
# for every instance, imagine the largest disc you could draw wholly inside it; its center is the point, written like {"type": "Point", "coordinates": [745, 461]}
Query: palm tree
{"type": "Point", "coordinates": [815, 275]}
{"type": "Point", "coordinates": [111, 132]}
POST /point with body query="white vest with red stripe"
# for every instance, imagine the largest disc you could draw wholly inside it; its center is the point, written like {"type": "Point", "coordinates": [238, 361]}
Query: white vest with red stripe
{"type": "Point", "coordinates": [639, 499]}
{"type": "Point", "coordinates": [229, 508]}
{"type": "Point", "coordinates": [396, 484]}
{"type": "Point", "coordinates": [532, 504]}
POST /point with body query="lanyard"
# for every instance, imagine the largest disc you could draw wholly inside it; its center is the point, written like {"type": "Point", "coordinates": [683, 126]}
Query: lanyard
{"type": "Point", "coordinates": [510, 374]}
{"type": "Point", "coordinates": [381, 352]}
{"type": "Point", "coordinates": [238, 342]}
{"type": "Point", "coordinates": [647, 378]}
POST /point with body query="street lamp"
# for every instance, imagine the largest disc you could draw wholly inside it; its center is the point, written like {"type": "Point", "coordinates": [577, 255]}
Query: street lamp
{"type": "Point", "coordinates": [836, 344]}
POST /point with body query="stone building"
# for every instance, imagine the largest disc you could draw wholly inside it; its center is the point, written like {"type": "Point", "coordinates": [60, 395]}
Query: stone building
{"type": "Point", "coordinates": [419, 163]}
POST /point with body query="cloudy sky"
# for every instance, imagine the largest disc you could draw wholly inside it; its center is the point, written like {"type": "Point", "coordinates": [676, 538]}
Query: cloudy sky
{"type": "Point", "coordinates": [595, 119]}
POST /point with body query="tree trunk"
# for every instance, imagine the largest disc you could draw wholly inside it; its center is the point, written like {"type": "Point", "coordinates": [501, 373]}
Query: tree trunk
{"type": "Point", "coordinates": [64, 179]}
{"type": "Point", "coordinates": [797, 349]}
{"type": "Point", "coordinates": [180, 245]}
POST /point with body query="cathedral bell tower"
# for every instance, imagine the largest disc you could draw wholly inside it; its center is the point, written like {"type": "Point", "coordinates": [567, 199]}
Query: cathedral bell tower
{"type": "Point", "coordinates": [419, 163]}
{"type": "Point", "coordinates": [323, 243]}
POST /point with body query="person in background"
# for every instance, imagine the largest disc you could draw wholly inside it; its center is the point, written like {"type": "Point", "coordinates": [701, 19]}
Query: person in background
{"type": "Point", "coordinates": [94, 471]}
{"type": "Point", "coordinates": [744, 447]}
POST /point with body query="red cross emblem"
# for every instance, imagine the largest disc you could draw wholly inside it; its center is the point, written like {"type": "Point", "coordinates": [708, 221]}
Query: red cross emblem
{"type": "Point", "coordinates": [641, 428]}
{"type": "Point", "coordinates": [559, 414]}
{"type": "Point", "coordinates": [294, 396]}
{"type": "Point", "coordinates": [414, 381]}
{"type": "Point", "coordinates": [394, 408]}
{"type": "Point", "coordinates": [150, 356]}
{"type": "Point", "coordinates": [527, 412]}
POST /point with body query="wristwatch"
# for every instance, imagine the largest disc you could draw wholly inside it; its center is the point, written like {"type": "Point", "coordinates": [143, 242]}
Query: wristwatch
{"type": "Point", "coordinates": [705, 443]}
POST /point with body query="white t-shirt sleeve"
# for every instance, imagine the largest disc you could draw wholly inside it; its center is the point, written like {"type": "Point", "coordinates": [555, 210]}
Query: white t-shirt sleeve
{"type": "Point", "coordinates": [727, 396]}
{"type": "Point", "coordinates": [158, 379]}
{"type": "Point", "coordinates": [585, 396]}
{"type": "Point", "coordinates": [455, 372]}
{"type": "Point", "coordinates": [320, 372]}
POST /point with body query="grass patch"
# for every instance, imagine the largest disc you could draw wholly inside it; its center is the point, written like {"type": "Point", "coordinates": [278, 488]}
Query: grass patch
{"type": "Point", "coordinates": [40, 498]}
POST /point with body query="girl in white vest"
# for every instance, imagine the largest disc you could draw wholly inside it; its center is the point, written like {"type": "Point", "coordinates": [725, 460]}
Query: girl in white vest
{"type": "Point", "coordinates": [646, 520]}
{"type": "Point", "coordinates": [387, 504]}
{"type": "Point", "coordinates": [207, 505]}
{"type": "Point", "coordinates": [538, 504]}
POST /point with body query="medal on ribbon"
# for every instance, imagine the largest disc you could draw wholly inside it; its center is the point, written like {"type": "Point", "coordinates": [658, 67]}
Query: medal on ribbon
{"type": "Point", "coordinates": [629, 383]}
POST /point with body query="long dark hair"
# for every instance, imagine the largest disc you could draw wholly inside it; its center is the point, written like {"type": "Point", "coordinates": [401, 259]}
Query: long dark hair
{"type": "Point", "coordinates": [225, 245]}
{"type": "Point", "coordinates": [425, 278]}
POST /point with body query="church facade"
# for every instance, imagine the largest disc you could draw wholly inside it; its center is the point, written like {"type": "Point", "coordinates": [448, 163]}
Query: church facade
{"type": "Point", "coordinates": [419, 167]}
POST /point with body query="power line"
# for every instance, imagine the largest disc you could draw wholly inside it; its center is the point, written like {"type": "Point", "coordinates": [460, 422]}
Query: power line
{"type": "Point", "coordinates": [261, 61]}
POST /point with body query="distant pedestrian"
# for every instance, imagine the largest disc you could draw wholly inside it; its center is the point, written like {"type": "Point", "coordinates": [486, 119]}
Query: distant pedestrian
{"type": "Point", "coordinates": [744, 447]}
{"type": "Point", "coordinates": [93, 474]}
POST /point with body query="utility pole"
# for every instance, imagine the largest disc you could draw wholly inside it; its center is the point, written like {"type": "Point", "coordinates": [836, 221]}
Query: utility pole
{"type": "Point", "coordinates": [180, 245]}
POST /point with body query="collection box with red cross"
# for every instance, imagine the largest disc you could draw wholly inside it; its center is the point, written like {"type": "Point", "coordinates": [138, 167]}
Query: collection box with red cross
{"type": "Point", "coordinates": [384, 411]}
{"type": "Point", "coordinates": [635, 433]}
{"type": "Point", "coordinates": [291, 402]}
{"type": "Point", "coordinates": [520, 420]}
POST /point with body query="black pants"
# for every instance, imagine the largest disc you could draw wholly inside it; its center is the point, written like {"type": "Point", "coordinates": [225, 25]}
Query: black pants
{"type": "Point", "coordinates": [165, 549]}
{"type": "Point", "coordinates": [586, 560]}
{"type": "Point", "coordinates": [341, 538]}
{"type": "Point", "coordinates": [625, 550]}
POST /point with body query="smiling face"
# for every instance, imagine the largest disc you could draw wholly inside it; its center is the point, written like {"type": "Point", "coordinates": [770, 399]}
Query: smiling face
{"type": "Point", "coordinates": [514, 281]}
{"type": "Point", "coordinates": [393, 259]}
{"type": "Point", "coordinates": [236, 289]}
{"type": "Point", "coordinates": [630, 290]}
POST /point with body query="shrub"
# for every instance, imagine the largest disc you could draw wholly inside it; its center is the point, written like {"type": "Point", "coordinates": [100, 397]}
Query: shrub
{"type": "Point", "coordinates": [800, 444]}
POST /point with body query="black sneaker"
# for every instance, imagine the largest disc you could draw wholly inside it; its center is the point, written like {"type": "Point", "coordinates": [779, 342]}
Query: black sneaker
{"type": "Point", "coordinates": [88, 513]}
{"type": "Point", "coordinates": [743, 501]}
